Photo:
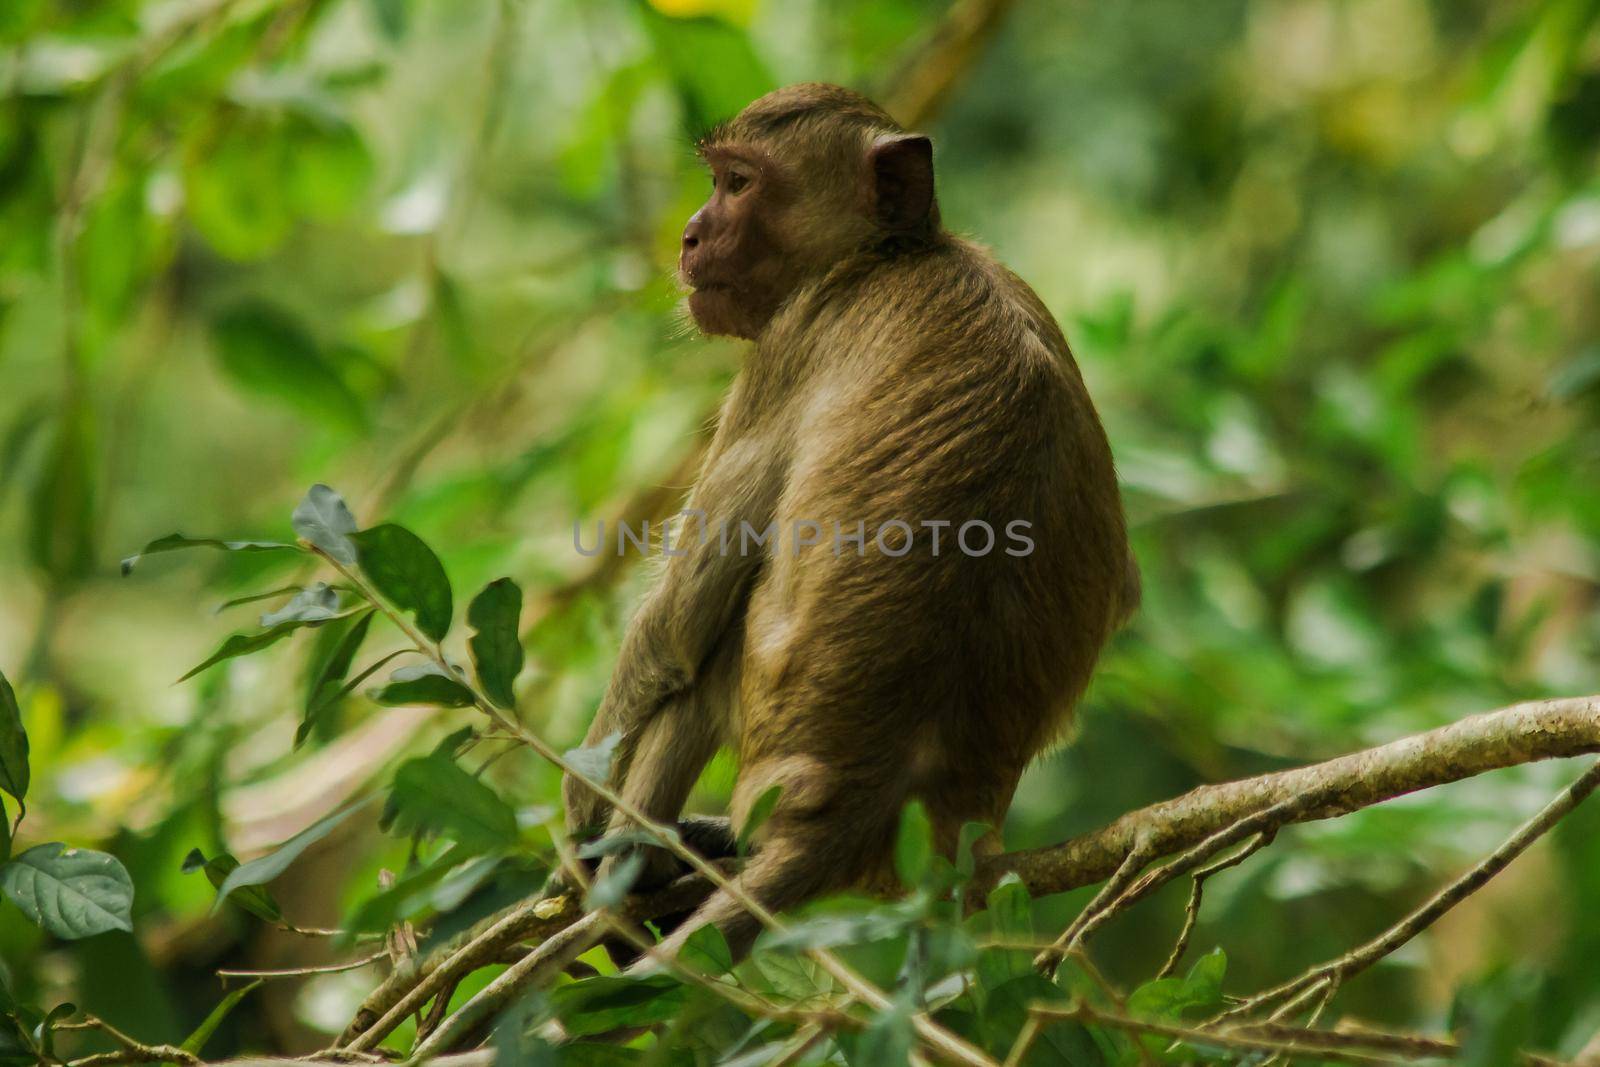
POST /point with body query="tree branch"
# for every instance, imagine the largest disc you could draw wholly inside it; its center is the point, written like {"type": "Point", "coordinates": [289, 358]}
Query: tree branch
{"type": "Point", "coordinates": [1522, 733]}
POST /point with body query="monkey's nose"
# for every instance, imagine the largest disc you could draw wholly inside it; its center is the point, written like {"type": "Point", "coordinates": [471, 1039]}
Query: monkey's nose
{"type": "Point", "coordinates": [691, 232]}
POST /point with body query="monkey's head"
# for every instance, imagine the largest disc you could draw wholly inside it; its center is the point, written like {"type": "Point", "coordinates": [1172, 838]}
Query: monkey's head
{"type": "Point", "coordinates": [802, 180]}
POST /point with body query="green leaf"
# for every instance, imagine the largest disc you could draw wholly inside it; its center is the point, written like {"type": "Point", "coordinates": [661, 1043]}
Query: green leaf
{"type": "Point", "coordinates": [202, 1033]}
{"type": "Point", "coordinates": [390, 16]}
{"type": "Point", "coordinates": [13, 744]}
{"type": "Point", "coordinates": [425, 683]}
{"type": "Point", "coordinates": [408, 574]}
{"type": "Point", "coordinates": [323, 520]}
{"type": "Point", "coordinates": [1169, 998]}
{"type": "Point", "coordinates": [327, 677]}
{"type": "Point", "coordinates": [265, 868]}
{"type": "Point", "coordinates": [1009, 915]}
{"type": "Point", "coordinates": [434, 793]}
{"type": "Point", "coordinates": [597, 1005]}
{"type": "Point", "coordinates": [244, 644]}
{"type": "Point", "coordinates": [913, 845]}
{"type": "Point", "coordinates": [707, 951]}
{"type": "Point", "coordinates": [594, 761]}
{"type": "Point", "coordinates": [175, 542]}
{"type": "Point", "coordinates": [266, 350]}
{"type": "Point", "coordinates": [70, 892]}
{"type": "Point", "coordinates": [317, 603]}
{"type": "Point", "coordinates": [496, 649]}
{"type": "Point", "coordinates": [252, 898]}
{"type": "Point", "coordinates": [713, 65]}
{"type": "Point", "coordinates": [760, 812]}
{"type": "Point", "coordinates": [61, 519]}
{"type": "Point", "coordinates": [304, 729]}
{"type": "Point", "coordinates": [886, 1040]}
{"type": "Point", "coordinates": [270, 594]}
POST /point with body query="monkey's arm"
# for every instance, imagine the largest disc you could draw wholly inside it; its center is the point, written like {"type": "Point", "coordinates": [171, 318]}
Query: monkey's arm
{"type": "Point", "coordinates": [684, 618]}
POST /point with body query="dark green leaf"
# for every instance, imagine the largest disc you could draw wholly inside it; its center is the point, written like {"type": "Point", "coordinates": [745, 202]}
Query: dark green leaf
{"type": "Point", "coordinates": [913, 846]}
{"type": "Point", "coordinates": [174, 542]}
{"type": "Point", "coordinates": [252, 898]}
{"type": "Point", "coordinates": [596, 1005]}
{"type": "Point", "coordinates": [304, 729]}
{"type": "Point", "coordinates": [267, 351]}
{"type": "Point", "coordinates": [322, 519]}
{"type": "Point", "coordinates": [265, 868]}
{"type": "Point", "coordinates": [244, 644]}
{"type": "Point", "coordinates": [423, 684]}
{"type": "Point", "coordinates": [496, 647]}
{"type": "Point", "coordinates": [13, 744]}
{"type": "Point", "coordinates": [202, 1033]}
{"type": "Point", "coordinates": [433, 793]}
{"type": "Point", "coordinates": [70, 892]}
{"type": "Point", "coordinates": [327, 676]}
{"type": "Point", "coordinates": [408, 574]}
{"type": "Point", "coordinates": [318, 603]}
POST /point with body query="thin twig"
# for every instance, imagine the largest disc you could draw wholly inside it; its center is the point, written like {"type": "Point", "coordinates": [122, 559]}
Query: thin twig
{"type": "Point", "coordinates": [1191, 912]}
{"type": "Point", "coordinates": [1364, 956]}
{"type": "Point", "coordinates": [302, 972]}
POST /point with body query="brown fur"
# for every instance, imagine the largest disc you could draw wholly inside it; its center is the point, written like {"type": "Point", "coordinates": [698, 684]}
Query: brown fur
{"type": "Point", "coordinates": [898, 373]}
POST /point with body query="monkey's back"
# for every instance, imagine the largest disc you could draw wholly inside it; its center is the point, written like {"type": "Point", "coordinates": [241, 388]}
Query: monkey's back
{"type": "Point", "coordinates": [939, 672]}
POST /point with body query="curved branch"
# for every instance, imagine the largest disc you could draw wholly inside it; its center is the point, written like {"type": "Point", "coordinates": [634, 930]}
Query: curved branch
{"type": "Point", "coordinates": [1522, 733]}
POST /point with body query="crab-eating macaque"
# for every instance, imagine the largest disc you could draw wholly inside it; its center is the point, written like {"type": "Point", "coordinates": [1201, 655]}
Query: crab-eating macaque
{"type": "Point", "coordinates": [948, 553]}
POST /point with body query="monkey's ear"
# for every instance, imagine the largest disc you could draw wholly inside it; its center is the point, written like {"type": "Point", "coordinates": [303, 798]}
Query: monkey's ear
{"type": "Point", "coordinates": [902, 178]}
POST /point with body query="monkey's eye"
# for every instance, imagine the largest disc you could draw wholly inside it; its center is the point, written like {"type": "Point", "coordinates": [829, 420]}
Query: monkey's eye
{"type": "Point", "coordinates": [734, 183]}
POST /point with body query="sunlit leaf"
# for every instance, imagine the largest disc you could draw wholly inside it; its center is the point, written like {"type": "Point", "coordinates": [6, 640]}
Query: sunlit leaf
{"type": "Point", "coordinates": [316, 603]}
{"type": "Point", "coordinates": [70, 892]}
{"type": "Point", "coordinates": [408, 574]}
{"type": "Point", "coordinates": [913, 846]}
{"type": "Point", "coordinates": [324, 521]}
{"type": "Point", "coordinates": [496, 647]}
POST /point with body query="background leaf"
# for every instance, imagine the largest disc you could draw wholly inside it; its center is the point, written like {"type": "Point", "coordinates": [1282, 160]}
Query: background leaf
{"type": "Point", "coordinates": [70, 892]}
{"type": "Point", "coordinates": [14, 768]}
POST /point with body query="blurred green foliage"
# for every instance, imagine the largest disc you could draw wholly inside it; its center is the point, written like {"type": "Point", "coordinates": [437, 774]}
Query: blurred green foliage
{"type": "Point", "coordinates": [1330, 267]}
